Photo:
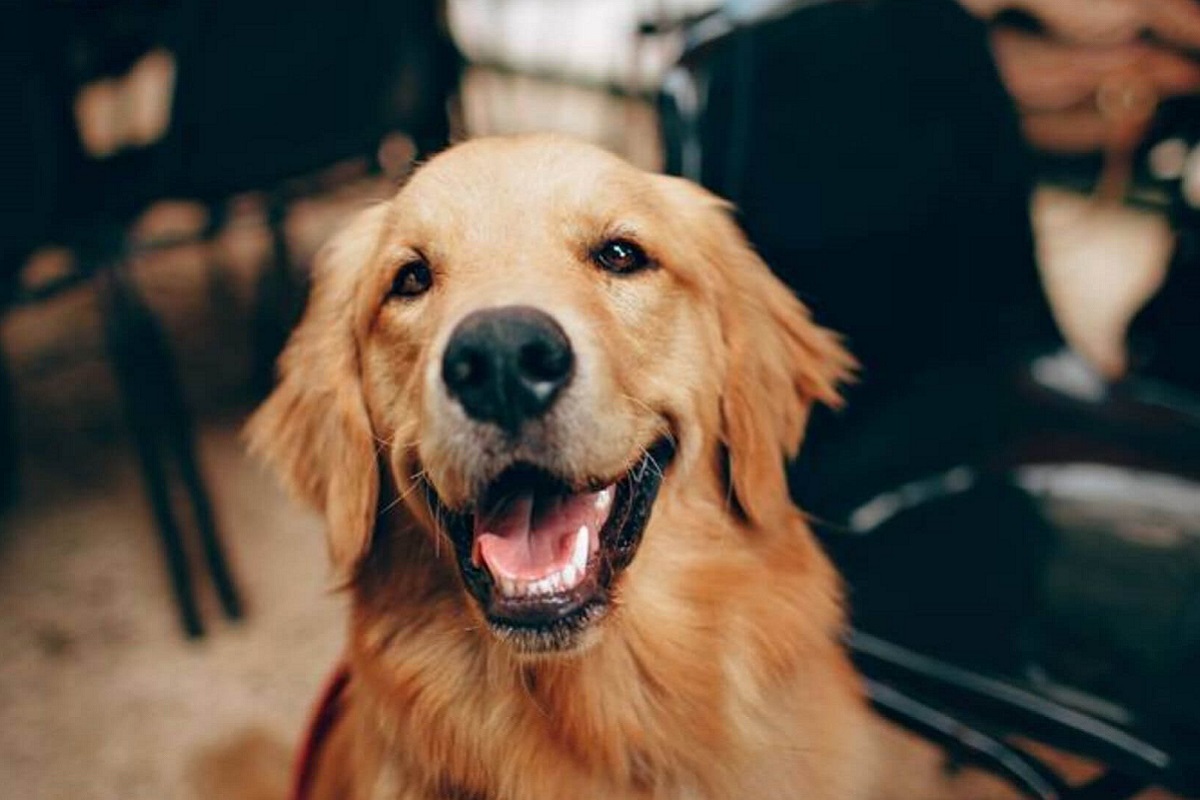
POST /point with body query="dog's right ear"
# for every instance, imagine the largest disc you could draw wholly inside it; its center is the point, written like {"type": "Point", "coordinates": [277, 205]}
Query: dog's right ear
{"type": "Point", "coordinates": [314, 430]}
{"type": "Point", "coordinates": [778, 361]}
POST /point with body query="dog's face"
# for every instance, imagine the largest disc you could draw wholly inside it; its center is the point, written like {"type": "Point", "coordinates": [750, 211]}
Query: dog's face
{"type": "Point", "coordinates": [521, 348]}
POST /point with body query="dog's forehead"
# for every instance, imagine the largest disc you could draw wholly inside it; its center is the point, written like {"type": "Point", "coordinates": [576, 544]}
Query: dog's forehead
{"type": "Point", "coordinates": [497, 189]}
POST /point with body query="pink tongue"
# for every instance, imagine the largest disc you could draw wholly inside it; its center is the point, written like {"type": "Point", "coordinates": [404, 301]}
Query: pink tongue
{"type": "Point", "coordinates": [528, 537]}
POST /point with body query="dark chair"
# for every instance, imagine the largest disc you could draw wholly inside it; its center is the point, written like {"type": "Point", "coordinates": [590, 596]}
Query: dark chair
{"type": "Point", "coordinates": [266, 93]}
{"type": "Point", "coordinates": [1021, 542]}
{"type": "Point", "coordinates": [1046, 586]}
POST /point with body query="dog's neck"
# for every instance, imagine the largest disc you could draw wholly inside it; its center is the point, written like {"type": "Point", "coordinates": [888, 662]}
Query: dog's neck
{"type": "Point", "coordinates": [663, 691]}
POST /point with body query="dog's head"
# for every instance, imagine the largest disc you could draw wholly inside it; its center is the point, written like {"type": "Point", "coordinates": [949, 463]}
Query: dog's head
{"type": "Point", "coordinates": [518, 353]}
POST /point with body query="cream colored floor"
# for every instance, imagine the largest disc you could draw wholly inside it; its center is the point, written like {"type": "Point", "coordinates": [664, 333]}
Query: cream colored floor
{"type": "Point", "coordinates": [100, 696]}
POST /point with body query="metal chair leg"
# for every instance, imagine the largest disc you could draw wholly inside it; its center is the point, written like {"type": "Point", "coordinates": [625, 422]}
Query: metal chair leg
{"type": "Point", "coordinates": [181, 437]}
{"type": "Point", "coordinates": [966, 744]}
{"type": "Point", "coordinates": [136, 349]}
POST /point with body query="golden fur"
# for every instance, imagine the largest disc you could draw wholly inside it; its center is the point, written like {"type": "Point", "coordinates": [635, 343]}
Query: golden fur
{"type": "Point", "coordinates": [719, 674]}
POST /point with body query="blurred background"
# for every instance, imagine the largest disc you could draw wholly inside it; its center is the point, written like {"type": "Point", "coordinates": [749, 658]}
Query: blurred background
{"type": "Point", "coordinates": [996, 203]}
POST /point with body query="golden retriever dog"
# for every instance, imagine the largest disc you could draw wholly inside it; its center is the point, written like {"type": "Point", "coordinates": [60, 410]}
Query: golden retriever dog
{"type": "Point", "coordinates": [544, 401]}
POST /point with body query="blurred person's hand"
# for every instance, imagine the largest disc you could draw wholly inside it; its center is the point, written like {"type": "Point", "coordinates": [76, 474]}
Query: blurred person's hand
{"type": "Point", "coordinates": [1093, 66]}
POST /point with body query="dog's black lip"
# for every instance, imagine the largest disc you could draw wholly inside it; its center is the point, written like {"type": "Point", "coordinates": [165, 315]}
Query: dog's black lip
{"type": "Point", "coordinates": [550, 622]}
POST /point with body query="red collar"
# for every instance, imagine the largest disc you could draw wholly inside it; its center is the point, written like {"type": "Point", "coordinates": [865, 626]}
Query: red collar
{"type": "Point", "coordinates": [325, 716]}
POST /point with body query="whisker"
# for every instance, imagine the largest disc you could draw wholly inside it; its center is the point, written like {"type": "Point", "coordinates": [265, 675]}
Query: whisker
{"type": "Point", "coordinates": [652, 462]}
{"type": "Point", "coordinates": [429, 506]}
{"type": "Point", "coordinates": [416, 480]}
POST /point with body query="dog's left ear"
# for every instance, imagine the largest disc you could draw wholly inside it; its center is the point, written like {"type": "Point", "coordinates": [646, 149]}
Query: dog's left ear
{"type": "Point", "coordinates": [314, 429]}
{"type": "Point", "coordinates": [778, 362]}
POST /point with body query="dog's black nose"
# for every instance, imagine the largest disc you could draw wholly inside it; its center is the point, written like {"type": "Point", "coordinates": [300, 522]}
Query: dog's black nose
{"type": "Point", "coordinates": [507, 365]}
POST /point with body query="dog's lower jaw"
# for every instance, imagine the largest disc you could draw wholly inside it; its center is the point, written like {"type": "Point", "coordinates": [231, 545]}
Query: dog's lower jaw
{"type": "Point", "coordinates": [571, 638]}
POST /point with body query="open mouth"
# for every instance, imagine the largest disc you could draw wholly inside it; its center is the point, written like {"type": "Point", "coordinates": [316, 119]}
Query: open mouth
{"type": "Point", "coordinates": [539, 553]}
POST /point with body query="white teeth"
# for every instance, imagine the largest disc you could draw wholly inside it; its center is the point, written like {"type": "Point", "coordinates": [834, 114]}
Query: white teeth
{"type": "Point", "coordinates": [604, 498]}
{"type": "Point", "coordinates": [579, 554]}
{"type": "Point", "coordinates": [564, 580]}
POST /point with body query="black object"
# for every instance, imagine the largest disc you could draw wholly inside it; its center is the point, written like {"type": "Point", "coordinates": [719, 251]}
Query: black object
{"type": "Point", "coordinates": [1049, 589]}
{"type": "Point", "coordinates": [1165, 335]}
{"type": "Point", "coordinates": [162, 432]}
{"type": "Point", "coordinates": [507, 365]}
{"type": "Point", "coordinates": [267, 92]}
{"type": "Point", "coordinates": [995, 590]}
{"type": "Point", "coordinates": [878, 167]}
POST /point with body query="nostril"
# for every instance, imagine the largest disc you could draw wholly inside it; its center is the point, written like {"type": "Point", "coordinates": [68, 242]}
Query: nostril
{"type": "Point", "coordinates": [544, 361]}
{"type": "Point", "coordinates": [465, 369]}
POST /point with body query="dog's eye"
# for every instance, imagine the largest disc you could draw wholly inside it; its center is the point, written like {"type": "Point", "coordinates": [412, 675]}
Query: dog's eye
{"type": "Point", "coordinates": [621, 256]}
{"type": "Point", "coordinates": [413, 279]}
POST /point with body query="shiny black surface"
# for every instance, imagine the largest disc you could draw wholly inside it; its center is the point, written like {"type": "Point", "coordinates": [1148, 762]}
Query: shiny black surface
{"type": "Point", "coordinates": [507, 365]}
{"type": "Point", "coordinates": [1047, 585]}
